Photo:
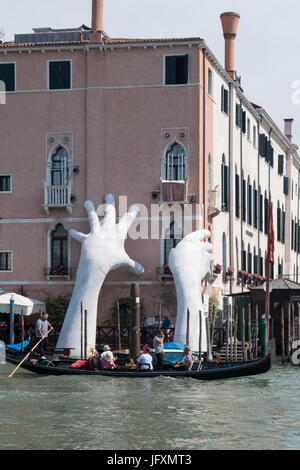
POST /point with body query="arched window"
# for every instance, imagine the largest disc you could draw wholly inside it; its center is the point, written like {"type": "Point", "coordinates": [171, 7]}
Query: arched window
{"type": "Point", "coordinates": [59, 167]}
{"type": "Point", "coordinates": [176, 163]}
{"type": "Point", "coordinates": [172, 237]}
{"type": "Point", "coordinates": [59, 250]}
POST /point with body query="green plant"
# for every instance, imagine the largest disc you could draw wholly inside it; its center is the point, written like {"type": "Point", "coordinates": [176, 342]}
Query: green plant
{"type": "Point", "coordinates": [57, 307]}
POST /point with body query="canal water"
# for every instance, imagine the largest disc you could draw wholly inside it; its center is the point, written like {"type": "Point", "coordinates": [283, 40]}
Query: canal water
{"type": "Point", "coordinates": [47, 412]}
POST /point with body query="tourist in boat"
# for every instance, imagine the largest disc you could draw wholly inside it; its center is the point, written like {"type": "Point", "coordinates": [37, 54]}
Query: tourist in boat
{"type": "Point", "coordinates": [187, 362]}
{"type": "Point", "coordinates": [144, 362]}
{"type": "Point", "coordinates": [107, 360]}
{"type": "Point", "coordinates": [41, 329]}
{"type": "Point", "coordinates": [158, 344]}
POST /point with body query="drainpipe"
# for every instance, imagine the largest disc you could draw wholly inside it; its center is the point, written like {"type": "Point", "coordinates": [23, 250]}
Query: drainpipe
{"type": "Point", "coordinates": [231, 176]}
{"type": "Point", "coordinates": [241, 186]}
{"type": "Point", "coordinates": [204, 138]}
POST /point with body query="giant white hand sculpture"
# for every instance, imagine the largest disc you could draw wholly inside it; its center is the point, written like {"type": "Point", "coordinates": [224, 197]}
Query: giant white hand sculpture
{"type": "Point", "coordinates": [190, 262]}
{"type": "Point", "coordinates": [102, 251]}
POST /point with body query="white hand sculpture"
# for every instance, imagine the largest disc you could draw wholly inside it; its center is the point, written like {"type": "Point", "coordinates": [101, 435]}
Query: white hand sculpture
{"type": "Point", "coordinates": [190, 262]}
{"type": "Point", "coordinates": [102, 251]}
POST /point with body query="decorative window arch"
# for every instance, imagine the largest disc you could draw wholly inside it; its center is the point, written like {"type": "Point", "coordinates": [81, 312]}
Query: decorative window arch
{"type": "Point", "coordinates": [174, 162]}
{"type": "Point", "coordinates": [59, 166]}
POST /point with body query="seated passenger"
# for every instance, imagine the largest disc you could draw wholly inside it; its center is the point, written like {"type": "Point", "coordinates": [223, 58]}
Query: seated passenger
{"type": "Point", "coordinates": [187, 362]}
{"type": "Point", "coordinates": [144, 362]}
{"type": "Point", "coordinates": [107, 360]}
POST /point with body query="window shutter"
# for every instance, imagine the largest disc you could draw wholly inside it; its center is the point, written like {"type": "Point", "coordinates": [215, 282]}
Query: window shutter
{"type": "Point", "coordinates": [255, 208]}
{"type": "Point", "coordinates": [283, 227]}
{"type": "Point", "coordinates": [238, 115]}
{"type": "Point", "coordinates": [266, 215]}
{"type": "Point", "coordinates": [292, 234]}
{"type": "Point", "coordinates": [226, 188]}
{"type": "Point", "coordinates": [250, 204]}
{"type": "Point", "coordinates": [286, 185]}
{"type": "Point", "coordinates": [237, 196]}
{"type": "Point", "coordinates": [244, 201]}
{"type": "Point", "coordinates": [244, 122]}
{"type": "Point", "coordinates": [280, 164]}
{"type": "Point", "coordinates": [261, 214]}
{"type": "Point", "coordinates": [278, 224]}
{"type": "Point", "coordinates": [222, 98]}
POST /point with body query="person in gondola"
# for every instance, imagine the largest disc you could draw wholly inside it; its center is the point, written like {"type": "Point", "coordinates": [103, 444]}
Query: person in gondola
{"type": "Point", "coordinates": [187, 362]}
{"type": "Point", "coordinates": [107, 359]}
{"type": "Point", "coordinates": [41, 329]}
{"type": "Point", "coordinates": [144, 362]}
{"type": "Point", "coordinates": [158, 344]}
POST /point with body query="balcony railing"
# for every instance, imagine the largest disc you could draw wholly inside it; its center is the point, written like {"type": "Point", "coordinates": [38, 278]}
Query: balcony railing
{"type": "Point", "coordinates": [174, 191]}
{"type": "Point", "coordinates": [58, 271]}
{"type": "Point", "coordinates": [214, 202]}
{"type": "Point", "coordinates": [57, 196]}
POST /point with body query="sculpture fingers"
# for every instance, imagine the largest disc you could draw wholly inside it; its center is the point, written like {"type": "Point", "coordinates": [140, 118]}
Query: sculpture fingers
{"type": "Point", "coordinates": [127, 219]}
{"type": "Point", "coordinates": [110, 211]}
{"type": "Point", "coordinates": [134, 267]}
{"type": "Point", "coordinates": [92, 215]}
{"type": "Point", "coordinates": [77, 235]}
{"type": "Point", "coordinates": [199, 235]}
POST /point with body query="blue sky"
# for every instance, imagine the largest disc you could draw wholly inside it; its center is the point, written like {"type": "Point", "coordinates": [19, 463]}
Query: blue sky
{"type": "Point", "coordinates": [267, 45]}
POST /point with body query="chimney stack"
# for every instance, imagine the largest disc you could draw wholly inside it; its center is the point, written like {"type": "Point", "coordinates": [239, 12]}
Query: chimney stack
{"type": "Point", "coordinates": [97, 21]}
{"type": "Point", "coordinates": [230, 21]}
{"type": "Point", "coordinates": [288, 123]}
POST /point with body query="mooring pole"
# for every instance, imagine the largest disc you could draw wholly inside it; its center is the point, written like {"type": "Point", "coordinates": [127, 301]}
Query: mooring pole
{"type": "Point", "coordinates": [243, 332]}
{"type": "Point", "coordinates": [119, 325]}
{"type": "Point", "coordinates": [256, 331]}
{"type": "Point", "coordinates": [187, 338]}
{"type": "Point", "coordinates": [135, 322]}
{"type": "Point", "coordinates": [230, 333]}
{"type": "Point", "coordinates": [289, 333]}
{"type": "Point", "coordinates": [249, 332]}
{"type": "Point", "coordinates": [227, 335]}
{"type": "Point", "coordinates": [236, 317]}
{"type": "Point", "coordinates": [282, 336]}
{"type": "Point", "coordinates": [200, 335]}
{"type": "Point", "coordinates": [85, 334]}
{"type": "Point", "coordinates": [81, 330]}
{"type": "Point", "coordinates": [22, 329]}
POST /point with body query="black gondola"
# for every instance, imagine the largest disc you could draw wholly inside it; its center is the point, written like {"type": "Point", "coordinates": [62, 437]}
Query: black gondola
{"type": "Point", "coordinates": [208, 371]}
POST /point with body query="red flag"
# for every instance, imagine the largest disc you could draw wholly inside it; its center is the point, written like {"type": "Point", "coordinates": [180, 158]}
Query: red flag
{"type": "Point", "coordinates": [271, 234]}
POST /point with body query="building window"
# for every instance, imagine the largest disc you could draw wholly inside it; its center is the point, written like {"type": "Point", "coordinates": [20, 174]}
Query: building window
{"type": "Point", "coordinates": [209, 82]}
{"type": "Point", "coordinates": [248, 130]}
{"type": "Point", "coordinates": [224, 247]}
{"type": "Point", "coordinates": [244, 200]}
{"type": "Point", "coordinates": [249, 202]}
{"type": "Point", "coordinates": [60, 75]}
{"type": "Point", "coordinates": [172, 237]}
{"type": "Point", "coordinates": [280, 164]}
{"type": "Point", "coordinates": [5, 184]}
{"type": "Point", "coordinates": [238, 115]}
{"type": "Point", "coordinates": [255, 207]}
{"type": "Point", "coordinates": [225, 184]}
{"type": "Point", "coordinates": [5, 261]}
{"type": "Point", "coordinates": [176, 163]}
{"type": "Point", "coordinates": [254, 136]}
{"type": "Point", "coordinates": [59, 167]}
{"type": "Point", "coordinates": [176, 69]}
{"type": "Point", "coordinates": [8, 76]}
{"type": "Point", "coordinates": [224, 100]}
{"type": "Point", "coordinates": [237, 194]}
{"type": "Point", "coordinates": [59, 251]}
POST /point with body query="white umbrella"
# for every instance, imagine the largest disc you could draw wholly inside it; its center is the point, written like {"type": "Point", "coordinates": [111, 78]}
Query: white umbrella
{"type": "Point", "coordinates": [25, 304]}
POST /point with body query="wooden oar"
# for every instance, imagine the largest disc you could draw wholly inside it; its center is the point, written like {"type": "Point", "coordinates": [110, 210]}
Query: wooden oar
{"type": "Point", "coordinates": [35, 346]}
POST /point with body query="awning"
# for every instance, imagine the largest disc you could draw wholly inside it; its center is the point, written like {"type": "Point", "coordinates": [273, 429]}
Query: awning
{"type": "Point", "coordinates": [22, 304]}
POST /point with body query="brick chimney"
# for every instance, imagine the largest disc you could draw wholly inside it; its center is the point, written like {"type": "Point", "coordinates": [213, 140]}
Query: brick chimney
{"type": "Point", "coordinates": [230, 21]}
{"type": "Point", "coordinates": [288, 123]}
{"type": "Point", "coordinates": [97, 21]}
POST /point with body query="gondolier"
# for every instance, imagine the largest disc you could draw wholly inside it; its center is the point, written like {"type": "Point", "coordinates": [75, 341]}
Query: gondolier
{"type": "Point", "coordinates": [41, 329]}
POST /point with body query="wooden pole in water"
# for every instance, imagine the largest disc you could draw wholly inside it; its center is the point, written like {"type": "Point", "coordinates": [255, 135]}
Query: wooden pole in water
{"type": "Point", "coordinates": [81, 330]}
{"type": "Point", "coordinates": [22, 329]}
{"type": "Point", "coordinates": [200, 335]}
{"type": "Point", "coordinates": [135, 328]}
{"type": "Point", "coordinates": [230, 333]}
{"type": "Point", "coordinates": [227, 335]}
{"type": "Point", "coordinates": [243, 333]}
{"type": "Point", "coordinates": [208, 339]}
{"type": "Point", "coordinates": [85, 334]}
{"type": "Point", "coordinates": [249, 332]}
{"type": "Point", "coordinates": [187, 338]}
{"type": "Point", "coordinates": [119, 325]}
{"type": "Point", "coordinates": [256, 331]}
{"type": "Point", "coordinates": [236, 317]}
{"type": "Point", "coordinates": [213, 325]}
{"type": "Point", "coordinates": [289, 333]}
{"type": "Point", "coordinates": [282, 336]}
